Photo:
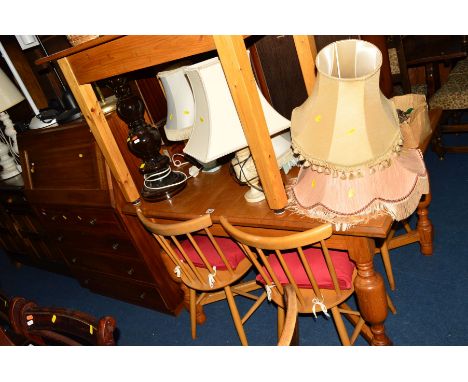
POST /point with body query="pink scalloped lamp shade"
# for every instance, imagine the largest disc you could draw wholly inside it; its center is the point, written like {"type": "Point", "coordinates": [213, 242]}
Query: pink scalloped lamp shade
{"type": "Point", "coordinates": [348, 134]}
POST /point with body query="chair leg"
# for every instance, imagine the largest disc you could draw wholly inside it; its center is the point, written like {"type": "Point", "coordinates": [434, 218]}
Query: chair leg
{"type": "Point", "coordinates": [193, 313]}
{"type": "Point", "coordinates": [254, 307]}
{"type": "Point", "coordinates": [235, 315]}
{"type": "Point", "coordinates": [340, 326]}
{"type": "Point", "coordinates": [390, 304]}
{"type": "Point", "coordinates": [281, 316]}
{"type": "Point", "coordinates": [387, 264]}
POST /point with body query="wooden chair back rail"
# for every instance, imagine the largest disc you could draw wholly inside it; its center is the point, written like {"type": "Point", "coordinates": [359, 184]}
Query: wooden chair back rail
{"type": "Point", "coordinates": [295, 241]}
{"type": "Point", "coordinates": [300, 239]}
{"type": "Point", "coordinates": [176, 229]}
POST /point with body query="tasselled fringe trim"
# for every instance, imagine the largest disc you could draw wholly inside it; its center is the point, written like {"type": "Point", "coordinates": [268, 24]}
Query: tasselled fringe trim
{"type": "Point", "coordinates": [350, 172]}
{"type": "Point", "coordinates": [398, 210]}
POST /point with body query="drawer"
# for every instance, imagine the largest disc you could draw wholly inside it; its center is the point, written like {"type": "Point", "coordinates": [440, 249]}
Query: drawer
{"type": "Point", "coordinates": [121, 289]}
{"type": "Point", "coordinates": [13, 200]}
{"type": "Point", "coordinates": [116, 266]}
{"type": "Point", "coordinates": [87, 218]}
{"type": "Point", "coordinates": [114, 244]}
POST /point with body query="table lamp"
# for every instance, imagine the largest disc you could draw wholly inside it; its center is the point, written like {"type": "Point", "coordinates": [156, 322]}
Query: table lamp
{"type": "Point", "coordinates": [37, 121]}
{"type": "Point", "coordinates": [180, 104]}
{"type": "Point", "coordinates": [348, 135]}
{"type": "Point", "coordinates": [217, 130]}
{"type": "Point", "coordinates": [9, 97]}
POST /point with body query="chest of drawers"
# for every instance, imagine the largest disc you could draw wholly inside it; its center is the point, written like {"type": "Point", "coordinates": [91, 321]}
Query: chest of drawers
{"type": "Point", "coordinates": [67, 218]}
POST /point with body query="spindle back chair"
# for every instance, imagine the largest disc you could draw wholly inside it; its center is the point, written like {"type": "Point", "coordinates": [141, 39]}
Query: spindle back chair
{"type": "Point", "coordinates": [209, 266]}
{"type": "Point", "coordinates": [322, 279]}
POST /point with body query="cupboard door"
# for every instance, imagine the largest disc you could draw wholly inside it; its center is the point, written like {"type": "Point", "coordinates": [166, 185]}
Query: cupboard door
{"type": "Point", "coordinates": [62, 158]}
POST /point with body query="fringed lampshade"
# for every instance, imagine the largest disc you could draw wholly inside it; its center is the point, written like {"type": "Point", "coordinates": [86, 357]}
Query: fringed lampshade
{"type": "Point", "coordinates": [349, 137]}
{"type": "Point", "coordinates": [180, 104]}
{"type": "Point", "coordinates": [217, 130]}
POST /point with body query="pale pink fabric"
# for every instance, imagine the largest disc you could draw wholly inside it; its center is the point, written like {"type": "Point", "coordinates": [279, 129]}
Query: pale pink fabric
{"type": "Point", "coordinates": [404, 179]}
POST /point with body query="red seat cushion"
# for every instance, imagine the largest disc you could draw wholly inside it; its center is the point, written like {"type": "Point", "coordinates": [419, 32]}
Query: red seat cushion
{"type": "Point", "coordinates": [230, 248]}
{"type": "Point", "coordinates": [343, 267]}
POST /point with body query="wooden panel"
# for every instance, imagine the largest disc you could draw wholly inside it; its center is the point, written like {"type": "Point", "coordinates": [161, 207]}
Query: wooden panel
{"type": "Point", "coordinates": [131, 53]}
{"type": "Point", "coordinates": [239, 76]}
{"type": "Point", "coordinates": [91, 109]}
{"type": "Point", "coordinates": [281, 69]}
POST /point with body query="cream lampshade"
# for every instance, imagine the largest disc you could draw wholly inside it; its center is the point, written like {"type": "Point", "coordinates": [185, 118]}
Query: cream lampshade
{"type": "Point", "coordinates": [180, 104]}
{"type": "Point", "coordinates": [217, 130]}
{"type": "Point", "coordinates": [349, 137]}
{"type": "Point", "coordinates": [9, 97]}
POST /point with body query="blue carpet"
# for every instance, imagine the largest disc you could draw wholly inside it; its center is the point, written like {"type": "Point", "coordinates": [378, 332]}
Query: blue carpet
{"type": "Point", "coordinates": [431, 294]}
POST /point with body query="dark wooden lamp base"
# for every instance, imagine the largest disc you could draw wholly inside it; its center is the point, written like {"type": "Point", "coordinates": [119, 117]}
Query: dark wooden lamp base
{"type": "Point", "coordinates": [163, 189]}
{"type": "Point", "coordinates": [144, 141]}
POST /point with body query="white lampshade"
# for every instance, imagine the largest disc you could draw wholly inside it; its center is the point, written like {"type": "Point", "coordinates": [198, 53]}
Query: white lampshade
{"type": "Point", "coordinates": [180, 104]}
{"type": "Point", "coordinates": [9, 94]}
{"type": "Point", "coordinates": [217, 130]}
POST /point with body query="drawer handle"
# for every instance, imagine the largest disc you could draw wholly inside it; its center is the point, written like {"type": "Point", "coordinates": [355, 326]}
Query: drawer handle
{"type": "Point", "coordinates": [32, 168]}
{"type": "Point", "coordinates": [143, 295]}
{"type": "Point", "coordinates": [74, 260]}
{"type": "Point", "coordinates": [115, 246]}
{"type": "Point", "coordinates": [10, 200]}
{"type": "Point", "coordinates": [93, 222]}
{"type": "Point", "coordinates": [131, 271]}
{"type": "Point", "coordinates": [60, 238]}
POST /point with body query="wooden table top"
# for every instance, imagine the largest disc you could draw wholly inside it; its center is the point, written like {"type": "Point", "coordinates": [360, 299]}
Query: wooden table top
{"type": "Point", "coordinates": [220, 192]}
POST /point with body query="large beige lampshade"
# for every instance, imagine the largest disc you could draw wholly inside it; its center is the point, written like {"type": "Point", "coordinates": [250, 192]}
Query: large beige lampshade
{"type": "Point", "coordinates": [217, 130]}
{"type": "Point", "coordinates": [347, 124]}
{"type": "Point", "coordinates": [9, 94]}
{"type": "Point", "coordinates": [349, 137]}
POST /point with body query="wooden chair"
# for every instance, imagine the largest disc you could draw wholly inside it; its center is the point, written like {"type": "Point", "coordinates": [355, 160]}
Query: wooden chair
{"type": "Point", "coordinates": [452, 98]}
{"type": "Point", "coordinates": [290, 322]}
{"type": "Point", "coordinates": [321, 279]}
{"type": "Point", "coordinates": [451, 95]}
{"type": "Point", "coordinates": [57, 326]}
{"type": "Point", "coordinates": [209, 267]}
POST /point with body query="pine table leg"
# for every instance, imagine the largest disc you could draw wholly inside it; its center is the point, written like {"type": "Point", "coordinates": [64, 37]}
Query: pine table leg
{"type": "Point", "coordinates": [369, 287]}
{"type": "Point", "coordinates": [424, 226]}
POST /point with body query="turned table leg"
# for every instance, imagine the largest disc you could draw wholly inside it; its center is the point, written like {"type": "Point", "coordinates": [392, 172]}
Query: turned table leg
{"type": "Point", "coordinates": [370, 288]}
{"type": "Point", "coordinates": [424, 226]}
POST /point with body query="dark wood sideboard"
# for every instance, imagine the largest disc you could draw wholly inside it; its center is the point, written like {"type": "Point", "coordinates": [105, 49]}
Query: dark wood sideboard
{"type": "Point", "coordinates": [65, 214]}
